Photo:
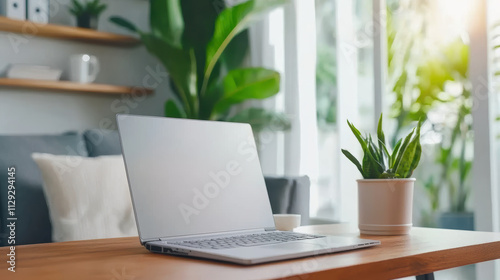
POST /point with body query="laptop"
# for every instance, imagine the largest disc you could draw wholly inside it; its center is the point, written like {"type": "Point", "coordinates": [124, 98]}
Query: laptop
{"type": "Point", "coordinates": [197, 189]}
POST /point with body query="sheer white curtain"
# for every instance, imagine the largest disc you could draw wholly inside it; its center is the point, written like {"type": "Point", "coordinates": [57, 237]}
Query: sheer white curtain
{"type": "Point", "coordinates": [285, 40]}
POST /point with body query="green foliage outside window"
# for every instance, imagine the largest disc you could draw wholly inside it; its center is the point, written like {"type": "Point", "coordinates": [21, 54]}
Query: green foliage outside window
{"type": "Point", "coordinates": [426, 81]}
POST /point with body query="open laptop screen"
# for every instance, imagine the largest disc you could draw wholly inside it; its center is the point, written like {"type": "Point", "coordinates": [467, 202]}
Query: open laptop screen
{"type": "Point", "coordinates": [193, 177]}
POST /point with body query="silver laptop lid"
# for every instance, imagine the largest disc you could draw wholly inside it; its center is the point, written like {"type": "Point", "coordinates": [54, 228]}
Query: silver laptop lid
{"type": "Point", "coordinates": [193, 177]}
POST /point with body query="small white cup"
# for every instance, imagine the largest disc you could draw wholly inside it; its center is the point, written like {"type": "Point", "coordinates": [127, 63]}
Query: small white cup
{"type": "Point", "coordinates": [286, 222]}
{"type": "Point", "coordinates": [83, 68]}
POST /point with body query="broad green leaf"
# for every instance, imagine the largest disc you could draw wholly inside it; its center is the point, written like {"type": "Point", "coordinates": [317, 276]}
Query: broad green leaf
{"type": "Point", "coordinates": [165, 19]}
{"type": "Point", "coordinates": [261, 119]}
{"type": "Point", "coordinates": [247, 83]}
{"type": "Point", "coordinates": [353, 160]}
{"type": "Point", "coordinates": [230, 23]}
{"type": "Point", "coordinates": [172, 111]}
{"type": "Point", "coordinates": [199, 23]}
{"type": "Point", "coordinates": [124, 23]}
{"type": "Point", "coordinates": [207, 102]}
{"type": "Point", "coordinates": [182, 69]}
{"type": "Point", "coordinates": [237, 50]}
{"type": "Point", "coordinates": [199, 27]}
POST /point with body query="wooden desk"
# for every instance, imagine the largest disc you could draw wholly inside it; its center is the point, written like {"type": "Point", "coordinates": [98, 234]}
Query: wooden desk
{"type": "Point", "coordinates": [423, 251]}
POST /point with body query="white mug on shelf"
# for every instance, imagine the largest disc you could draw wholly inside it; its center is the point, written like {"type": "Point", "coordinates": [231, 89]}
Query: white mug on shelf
{"type": "Point", "coordinates": [83, 68]}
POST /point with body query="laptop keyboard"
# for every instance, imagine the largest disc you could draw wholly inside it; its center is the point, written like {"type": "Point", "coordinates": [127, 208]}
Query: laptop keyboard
{"type": "Point", "coordinates": [246, 240]}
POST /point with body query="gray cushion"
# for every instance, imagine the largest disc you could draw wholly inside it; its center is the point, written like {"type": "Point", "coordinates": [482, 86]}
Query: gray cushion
{"type": "Point", "coordinates": [289, 195]}
{"type": "Point", "coordinates": [33, 225]}
{"type": "Point", "coordinates": [102, 142]}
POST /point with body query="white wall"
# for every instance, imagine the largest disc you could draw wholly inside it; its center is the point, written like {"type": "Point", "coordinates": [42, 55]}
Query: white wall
{"type": "Point", "coordinates": [25, 111]}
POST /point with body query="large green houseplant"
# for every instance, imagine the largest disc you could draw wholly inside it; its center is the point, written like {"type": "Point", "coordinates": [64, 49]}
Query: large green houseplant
{"type": "Point", "coordinates": [200, 44]}
{"type": "Point", "coordinates": [385, 194]}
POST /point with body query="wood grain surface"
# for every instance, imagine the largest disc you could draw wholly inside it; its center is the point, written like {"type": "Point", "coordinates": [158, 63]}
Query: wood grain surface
{"type": "Point", "coordinates": [66, 86]}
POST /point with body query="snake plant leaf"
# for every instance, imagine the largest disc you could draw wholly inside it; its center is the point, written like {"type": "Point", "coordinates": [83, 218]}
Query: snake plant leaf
{"type": "Point", "coordinates": [416, 159]}
{"type": "Point", "coordinates": [380, 134]}
{"type": "Point", "coordinates": [370, 168]}
{"type": "Point", "coordinates": [377, 161]}
{"type": "Point", "coordinates": [409, 155]}
{"type": "Point", "coordinates": [124, 23]}
{"type": "Point", "coordinates": [418, 152]}
{"type": "Point", "coordinates": [230, 23]}
{"type": "Point", "coordinates": [173, 111]}
{"type": "Point", "coordinates": [402, 150]}
{"type": "Point", "coordinates": [181, 66]}
{"type": "Point", "coordinates": [386, 153]}
{"type": "Point", "coordinates": [247, 83]}
{"type": "Point", "coordinates": [395, 152]}
{"type": "Point", "coordinates": [373, 149]}
{"type": "Point", "coordinates": [166, 22]}
{"type": "Point", "coordinates": [358, 135]}
{"type": "Point", "coordinates": [353, 160]}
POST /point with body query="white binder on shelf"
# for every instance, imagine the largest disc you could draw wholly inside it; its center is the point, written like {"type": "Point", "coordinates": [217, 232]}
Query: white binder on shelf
{"type": "Point", "coordinates": [15, 9]}
{"type": "Point", "coordinates": [38, 11]}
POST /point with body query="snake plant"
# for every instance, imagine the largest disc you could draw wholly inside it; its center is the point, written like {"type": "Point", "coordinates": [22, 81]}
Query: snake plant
{"type": "Point", "coordinates": [378, 162]}
{"type": "Point", "coordinates": [90, 8]}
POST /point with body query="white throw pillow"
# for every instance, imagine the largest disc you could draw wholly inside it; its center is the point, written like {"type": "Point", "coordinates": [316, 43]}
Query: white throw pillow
{"type": "Point", "coordinates": [88, 198]}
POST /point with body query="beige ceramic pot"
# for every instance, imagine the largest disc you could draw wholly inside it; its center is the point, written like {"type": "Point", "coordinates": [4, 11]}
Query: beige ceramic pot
{"type": "Point", "coordinates": [385, 206]}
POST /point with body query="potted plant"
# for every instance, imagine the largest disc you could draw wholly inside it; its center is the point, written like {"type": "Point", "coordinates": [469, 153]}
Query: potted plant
{"type": "Point", "coordinates": [87, 14]}
{"type": "Point", "coordinates": [202, 46]}
{"type": "Point", "coordinates": [385, 194]}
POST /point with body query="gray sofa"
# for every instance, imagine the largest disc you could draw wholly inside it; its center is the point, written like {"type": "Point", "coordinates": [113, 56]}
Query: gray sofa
{"type": "Point", "coordinates": [287, 194]}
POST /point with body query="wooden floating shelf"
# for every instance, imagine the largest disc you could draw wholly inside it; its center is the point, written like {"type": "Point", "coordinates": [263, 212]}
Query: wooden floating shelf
{"type": "Point", "coordinates": [66, 32]}
{"type": "Point", "coordinates": [73, 87]}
